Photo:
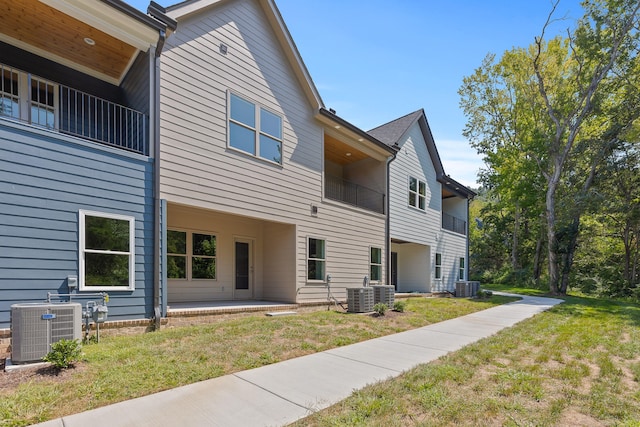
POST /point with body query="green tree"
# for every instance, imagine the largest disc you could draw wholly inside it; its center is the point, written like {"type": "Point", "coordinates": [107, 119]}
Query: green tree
{"type": "Point", "coordinates": [543, 119]}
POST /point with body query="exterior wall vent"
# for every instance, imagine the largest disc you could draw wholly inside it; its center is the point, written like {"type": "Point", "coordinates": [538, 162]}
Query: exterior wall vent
{"type": "Point", "coordinates": [35, 326]}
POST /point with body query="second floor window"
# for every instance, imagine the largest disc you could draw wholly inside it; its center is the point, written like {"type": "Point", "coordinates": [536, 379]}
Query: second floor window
{"type": "Point", "coordinates": [254, 130]}
{"type": "Point", "coordinates": [38, 108]}
{"type": "Point", "coordinates": [417, 193]}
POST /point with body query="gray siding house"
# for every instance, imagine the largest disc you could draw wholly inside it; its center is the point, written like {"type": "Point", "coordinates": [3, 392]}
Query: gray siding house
{"type": "Point", "coordinates": [428, 211]}
{"type": "Point", "coordinates": [269, 195]}
{"type": "Point", "coordinates": [77, 132]}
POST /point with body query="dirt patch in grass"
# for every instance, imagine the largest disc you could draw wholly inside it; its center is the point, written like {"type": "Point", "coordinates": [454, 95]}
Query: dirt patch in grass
{"type": "Point", "coordinates": [10, 381]}
{"type": "Point", "coordinates": [571, 417]}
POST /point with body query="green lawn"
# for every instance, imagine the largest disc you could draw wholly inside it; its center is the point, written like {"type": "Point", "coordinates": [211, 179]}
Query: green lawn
{"type": "Point", "coordinates": [576, 364]}
{"type": "Point", "coordinates": [124, 367]}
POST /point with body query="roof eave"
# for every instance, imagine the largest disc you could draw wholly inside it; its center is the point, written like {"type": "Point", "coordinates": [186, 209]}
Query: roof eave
{"type": "Point", "coordinates": [333, 118]}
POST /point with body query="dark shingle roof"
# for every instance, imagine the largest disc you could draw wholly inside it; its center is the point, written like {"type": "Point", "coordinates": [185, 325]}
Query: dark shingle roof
{"type": "Point", "coordinates": [390, 133]}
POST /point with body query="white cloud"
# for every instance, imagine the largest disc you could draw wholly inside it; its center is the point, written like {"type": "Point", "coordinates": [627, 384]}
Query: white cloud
{"type": "Point", "coordinates": [460, 161]}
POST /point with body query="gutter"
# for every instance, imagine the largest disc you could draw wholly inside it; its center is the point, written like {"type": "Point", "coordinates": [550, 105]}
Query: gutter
{"type": "Point", "coordinates": [387, 225]}
{"type": "Point", "coordinates": [157, 12]}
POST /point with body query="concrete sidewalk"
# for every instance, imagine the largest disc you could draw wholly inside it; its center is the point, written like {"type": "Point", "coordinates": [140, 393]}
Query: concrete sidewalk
{"type": "Point", "coordinates": [284, 392]}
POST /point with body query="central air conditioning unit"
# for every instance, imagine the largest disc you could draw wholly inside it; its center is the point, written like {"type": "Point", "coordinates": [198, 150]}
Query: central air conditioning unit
{"type": "Point", "coordinates": [359, 300]}
{"type": "Point", "coordinates": [35, 326]}
{"type": "Point", "coordinates": [385, 294]}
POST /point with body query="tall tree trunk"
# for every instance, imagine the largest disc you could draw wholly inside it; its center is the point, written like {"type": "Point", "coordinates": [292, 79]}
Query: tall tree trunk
{"type": "Point", "coordinates": [514, 242]}
{"type": "Point", "coordinates": [570, 253]}
{"type": "Point", "coordinates": [552, 241]}
{"type": "Point", "coordinates": [537, 258]}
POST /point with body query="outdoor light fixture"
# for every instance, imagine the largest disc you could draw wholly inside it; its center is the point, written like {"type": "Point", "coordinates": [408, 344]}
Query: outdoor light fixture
{"type": "Point", "coordinates": [89, 41]}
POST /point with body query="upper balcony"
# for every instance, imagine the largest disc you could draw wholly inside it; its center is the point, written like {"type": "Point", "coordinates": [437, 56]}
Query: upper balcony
{"type": "Point", "coordinates": [455, 205]}
{"type": "Point", "coordinates": [355, 165]}
{"type": "Point", "coordinates": [82, 68]}
{"type": "Point", "coordinates": [31, 99]}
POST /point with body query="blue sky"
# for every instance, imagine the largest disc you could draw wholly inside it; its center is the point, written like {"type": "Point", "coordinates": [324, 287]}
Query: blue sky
{"type": "Point", "coordinates": [374, 61]}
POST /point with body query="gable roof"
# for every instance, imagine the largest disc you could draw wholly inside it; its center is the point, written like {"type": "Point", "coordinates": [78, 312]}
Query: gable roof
{"type": "Point", "coordinates": [188, 8]}
{"type": "Point", "coordinates": [393, 133]}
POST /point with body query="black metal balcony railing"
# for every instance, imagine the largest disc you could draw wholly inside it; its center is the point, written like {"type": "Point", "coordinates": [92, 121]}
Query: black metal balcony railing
{"type": "Point", "coordinates": [94, 118]}
{"type": "Point", "coordinates": [454, 224]}
{"type": "Point", "coordinates": [30, 99]}
{"type": "Point", "coordinates": [353, 194]}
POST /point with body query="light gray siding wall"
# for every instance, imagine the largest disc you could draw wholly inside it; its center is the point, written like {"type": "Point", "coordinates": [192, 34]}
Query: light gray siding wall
{"type": "Point", "coordinates": [199, 170]}
{"type": "Point", "coordinates": [45, 179]}
{"type": "Point", "coordinates": [424, 227]}
{"type": "Point", "coordinates": [408, 223]}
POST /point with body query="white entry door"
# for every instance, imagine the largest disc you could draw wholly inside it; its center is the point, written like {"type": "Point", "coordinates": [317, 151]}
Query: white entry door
{"type": "Point", "coordinates": [243, 269]}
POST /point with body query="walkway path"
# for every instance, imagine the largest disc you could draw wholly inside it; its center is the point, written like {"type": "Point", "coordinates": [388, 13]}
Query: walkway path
{"type": "Point", "coordinates": [284, 392]}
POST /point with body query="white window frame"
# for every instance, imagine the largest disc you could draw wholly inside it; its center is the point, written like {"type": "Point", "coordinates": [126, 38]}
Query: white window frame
{"type": "Point", "coordinates": [25, 102]}
{"type": "Point", "coordinates": [438, 266]}
{"type": "Point", "coordinates": [461, 269]}
{"type": "Point", "coordinates": [375, 264]}
{"type": "Point", "coordinates": [189, 255]}
{"type": "Point", "coordinates": [417, 194]}
{"type": "Point", "coordinates": [82, 251]}
{"type": "Point", "coordinates": [323, 260]}
{"type": "Point", "coordinates": [257, 129]}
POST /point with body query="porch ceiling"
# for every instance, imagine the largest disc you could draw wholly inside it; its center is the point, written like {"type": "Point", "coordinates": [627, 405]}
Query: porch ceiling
{"type": "Point", "coordinates": [337, 151]}
{"type": "Point", "coordinates": [47, 31]}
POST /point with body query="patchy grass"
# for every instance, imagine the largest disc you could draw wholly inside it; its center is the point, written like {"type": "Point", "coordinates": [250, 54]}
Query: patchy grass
{"type": "Point", "coordinates": [576, 364]}
{"type": "Point", "coordinates": [125, 367]}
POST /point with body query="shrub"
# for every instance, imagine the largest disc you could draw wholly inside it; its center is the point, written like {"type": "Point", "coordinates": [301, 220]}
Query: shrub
{"type": "Point", "coordinates": [380, 308]}
{"type": "Point", "coordinates": [482, 294]}
{"type": "Point", "coordinates": [64, 353]}
{"type": "Point", "coordinates": [399, 306]}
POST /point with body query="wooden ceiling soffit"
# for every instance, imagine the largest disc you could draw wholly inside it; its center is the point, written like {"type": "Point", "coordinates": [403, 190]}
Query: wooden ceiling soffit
{"type": "Point", "coordinates": [46, 31]}
{"type": "Point", "coordinates": [339, 152]}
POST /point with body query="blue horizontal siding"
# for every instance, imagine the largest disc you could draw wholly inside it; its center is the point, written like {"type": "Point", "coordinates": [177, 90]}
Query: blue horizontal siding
{"type": "Point", "coordinates": [45, 180]}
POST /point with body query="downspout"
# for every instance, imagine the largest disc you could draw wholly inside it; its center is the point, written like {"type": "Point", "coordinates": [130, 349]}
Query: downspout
{"type": "Point", "coordinates": [387, 226]}
{"type": "Point", "coordinates": [468, 239]}
{"type": "Point", "coordinates": [157, 296]}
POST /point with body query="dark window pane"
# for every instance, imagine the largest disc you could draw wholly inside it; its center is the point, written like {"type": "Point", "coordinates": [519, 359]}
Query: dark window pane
{"type": "Point", "coordinates": [270, 149]}
{"type": "Point", "coordinates": [438, 259]}
{"type": "Point", "coordinates": [413, 184]}
{"type": "Point", "coordinates": [270, 123]}
{"type": "Point", "coordinates": [316, 248]}
{"type": "Point", "coordinates": [176, 242]}
{"type": "Point", "coordinates": [421, 201]}
{"type": "Point", "coordinates": [242, 138]}
{"type": "Point", "coordinates": [203, 268]}
{"type": "Point", "coordinates": [106, 234]}
{"type": "Point", "coordinates": [204, 244]}
{"type": "Point", "coordinates": [376, 256]}
{"type": "Point", "coordinates": [422, 188]}
{"type": "Point", "coordinates": [412, 199]}
{"type": "Point", "coordinates": [106, 270]}
{"type": "Point", "coordinates": [243, 111]}
{"type": "Point", "coordinates": [242, 265]}
{"type": "Point", "coordinates": [375, 272]}
{"type": "Point", "coordinates": [176, 267]}
{"type": "Point", "coordinates": [315, 270]}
